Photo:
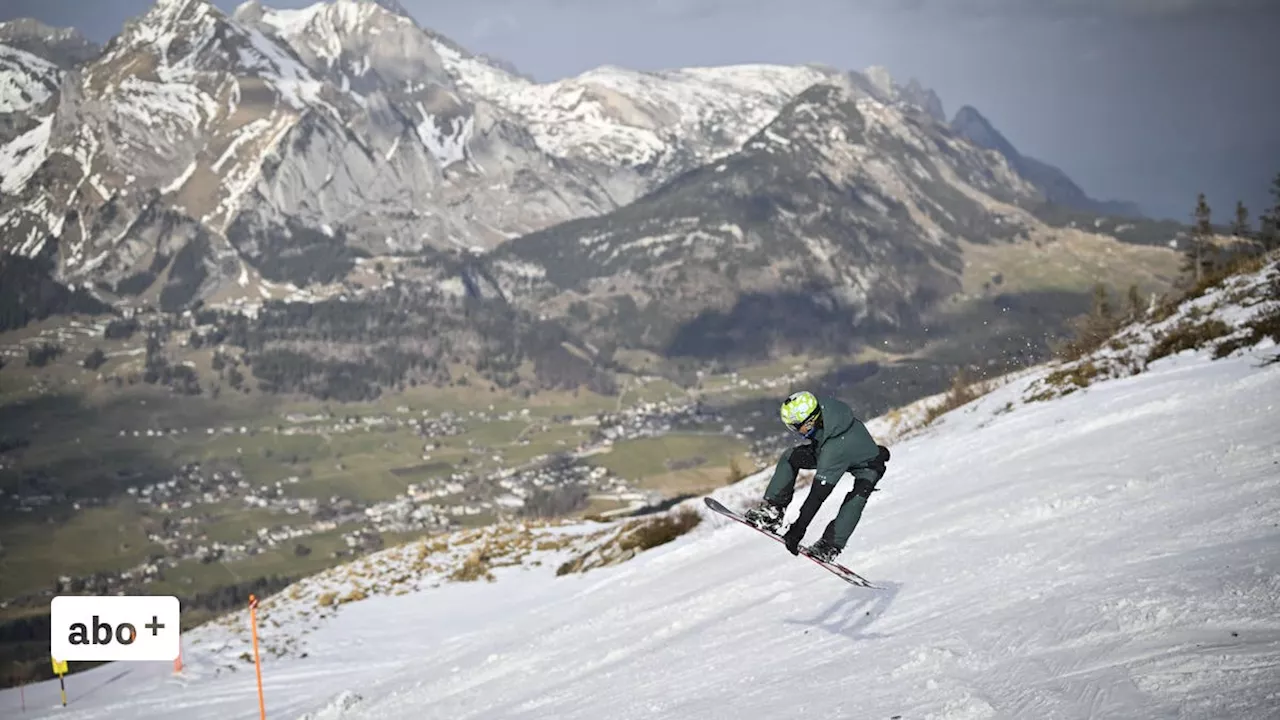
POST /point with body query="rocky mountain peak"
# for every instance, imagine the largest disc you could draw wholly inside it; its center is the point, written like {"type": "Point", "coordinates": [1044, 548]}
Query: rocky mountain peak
{"type": "Point", "coordinates": [819, 117]}
{"type": "Point", "coordinates": [178, 39]}
{"type": "Point", "coordinates": [166, 18]}
{"type": "Point", "coordinates": [64, 47]}
{"type": "Point", "coordinates": [1054, 184]}
{"type": "Point", "coordinates": [975, 127]}
{"type": "Point", "coordinates": [880, 84]}
{"type": "Point", "coordinates": [925, 98]}
{"type": "Point", "coordinates": [881, 79]}
{"type": "Point", "coordinates": [359, 45]}
{"type": "Point", "coordinates": [393, 6]}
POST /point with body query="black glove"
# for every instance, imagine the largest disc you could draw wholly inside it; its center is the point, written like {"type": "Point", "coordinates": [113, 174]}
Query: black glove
{"type": "Point", "coordinates": [794, 535]}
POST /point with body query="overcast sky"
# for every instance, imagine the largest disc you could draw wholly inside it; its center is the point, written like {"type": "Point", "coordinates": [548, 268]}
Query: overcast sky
{"type": "Point", "coordinates": [1143, 100]}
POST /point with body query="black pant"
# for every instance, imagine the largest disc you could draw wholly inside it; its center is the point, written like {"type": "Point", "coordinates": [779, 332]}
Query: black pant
{"type": "Point", "coordinates": [805, 457]}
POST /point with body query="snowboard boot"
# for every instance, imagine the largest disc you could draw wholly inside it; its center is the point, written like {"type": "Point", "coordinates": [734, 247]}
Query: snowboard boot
{"type": "Point", "coordinates": [823, 550]}
{"type": "Point", "coordinates": [765, 516]}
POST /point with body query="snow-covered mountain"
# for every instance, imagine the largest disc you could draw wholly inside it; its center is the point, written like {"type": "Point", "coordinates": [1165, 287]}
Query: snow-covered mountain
{"type": "Point", "coordinates": [848, 208]}
{"type": "Point", "coordinates": [28, 86]}
{"type": "Point", "coordinates": [222, 158]}
{"type": "Point", "coordinates": [272, 138]}
{"type": "Point", "coordinates": [1107, 553]}
{"type": "Point", "coordinates": [27, 82]}
{"type": "Point", "coordinates": [64, 47]}
{"type": "Point", "coordinates": [33, 61]}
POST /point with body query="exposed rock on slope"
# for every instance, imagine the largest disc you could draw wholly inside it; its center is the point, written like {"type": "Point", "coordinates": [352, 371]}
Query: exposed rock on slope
{"type": "Point", "coordinates": [1053, 182]}
{"type": "Point", "coordinates": [286, 132]}
{"type": "Point", "coordinates": [842, 210]}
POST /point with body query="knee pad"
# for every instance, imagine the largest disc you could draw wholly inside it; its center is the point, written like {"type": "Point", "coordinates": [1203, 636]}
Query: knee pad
{"type": "Point", "coordinates": [863, 488]}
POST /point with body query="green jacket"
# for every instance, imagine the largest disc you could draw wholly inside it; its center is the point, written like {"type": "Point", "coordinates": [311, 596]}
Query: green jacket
{"type": "Point", "coordinates": [843, 443]}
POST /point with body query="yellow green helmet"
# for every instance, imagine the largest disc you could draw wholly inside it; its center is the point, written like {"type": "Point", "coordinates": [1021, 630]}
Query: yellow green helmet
{"type": "Point", "coordinates": [798, 408]}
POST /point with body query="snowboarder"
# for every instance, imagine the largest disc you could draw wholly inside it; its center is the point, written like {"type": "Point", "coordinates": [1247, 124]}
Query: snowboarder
{"type": "Point", "coordinates": [837, 443]}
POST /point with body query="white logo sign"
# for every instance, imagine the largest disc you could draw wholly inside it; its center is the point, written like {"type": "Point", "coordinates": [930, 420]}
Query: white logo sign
{"type": "Point", "coordinates": [115, 627]}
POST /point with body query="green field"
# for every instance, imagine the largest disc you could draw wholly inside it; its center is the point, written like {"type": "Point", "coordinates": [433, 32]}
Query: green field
{"type": "Point", "coordinates": [37, 551]}
{"type": "Point", "coordinates": [193, 576]}
{"type": "Point", "coordinates": [74, 429]}
{"type": "Point", "coordinates": [683, 462]}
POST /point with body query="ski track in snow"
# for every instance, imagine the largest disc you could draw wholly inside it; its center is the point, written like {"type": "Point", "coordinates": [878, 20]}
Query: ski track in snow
{"type": "Point", "coordinates": [1107, 554]}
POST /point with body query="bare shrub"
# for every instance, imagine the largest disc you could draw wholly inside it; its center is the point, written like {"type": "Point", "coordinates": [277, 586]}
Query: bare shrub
{"type": "Point", "coordinates": [1186, 336]}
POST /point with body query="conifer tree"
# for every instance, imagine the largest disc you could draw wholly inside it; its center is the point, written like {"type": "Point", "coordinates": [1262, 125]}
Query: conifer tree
{"type": "Point", "coordinates": [1269, 233]}
{"type": "Point", "coordinates": [1136, 308]}
{"type": "Point", "coordinates": [1241, 227]}
{"type": "Point", "coordinates": [1200, 243]}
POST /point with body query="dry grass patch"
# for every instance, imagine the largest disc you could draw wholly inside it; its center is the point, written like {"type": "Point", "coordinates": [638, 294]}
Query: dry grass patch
{"type": "Point", "coordinates": [1065, 259]}
{"type": "Point", "coordinates": [1264, 326]}
{"type": "Point", "coordinates": [474, 567]}
{"type": "Point", "coordinates": [1076, 377]}
{"type": "Point", "coordinates": [963, 391]}
{"type": "Point", "coordinates": [552, 543]}
{"type": "Point", "coordinates": [632, 538]}
{"type": "Point", "coordinates": [660, 531]}
{"type": "Point", "coordinates": [1187, 336]}
{"type": "Point", "coordinates": [494, 549]}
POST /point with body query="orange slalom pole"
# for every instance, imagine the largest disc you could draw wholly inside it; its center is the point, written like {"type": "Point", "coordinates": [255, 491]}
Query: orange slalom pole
{"type": "Point", "coordinates": [257, 664]}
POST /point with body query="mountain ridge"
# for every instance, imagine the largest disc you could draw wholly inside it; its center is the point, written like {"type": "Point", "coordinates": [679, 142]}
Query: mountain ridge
{"type": "Point", "coordinates": [598, 128]}
{"type": "Point", "coordinates": [842, 210]}
{"type": "Point", "coordinates": [280, 156]}
{"type": "Point", "coordinates": [1057, 187]}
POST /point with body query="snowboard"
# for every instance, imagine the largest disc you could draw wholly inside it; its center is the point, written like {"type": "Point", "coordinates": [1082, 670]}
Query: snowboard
{"type": "Point", "coordinates": [837, 569]}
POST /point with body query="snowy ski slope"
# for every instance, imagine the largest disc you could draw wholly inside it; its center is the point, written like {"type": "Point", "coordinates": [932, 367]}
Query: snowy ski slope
{"type": "Point", "coordinates": [1107, 554]}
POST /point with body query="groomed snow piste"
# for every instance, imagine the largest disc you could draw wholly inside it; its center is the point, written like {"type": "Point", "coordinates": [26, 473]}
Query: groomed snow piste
{"type": "Point", "coordinates": [1114, 553]}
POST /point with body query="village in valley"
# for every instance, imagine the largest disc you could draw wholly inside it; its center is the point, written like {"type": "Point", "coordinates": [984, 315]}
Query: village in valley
{"type": "Point", "coordinates": [458, 480]}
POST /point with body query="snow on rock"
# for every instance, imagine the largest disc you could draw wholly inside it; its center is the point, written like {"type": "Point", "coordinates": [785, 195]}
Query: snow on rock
{"type": "Point", "coordinates": [20, 159]}
{"type": "Point", "coordinates": [1109, 553]}
{"type": "Point", "coordinates": [636, 118]}
{"type": "Point", "coordinates": [179, 181]}
{"type": "Point", "coordinates": [298, 86]}
{"type": "Point", "coordinates": [446, 138]}
{"type": "Point", "coordinates": [324, 27]}
{"type": "Point", "coordinates": [26, 81]}
{"type": "Point", "coordinates": [630, 118]}
{"type": "Point", "coordinates": [290, 23]}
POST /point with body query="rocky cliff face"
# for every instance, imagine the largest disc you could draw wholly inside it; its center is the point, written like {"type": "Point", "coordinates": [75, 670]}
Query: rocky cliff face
{"type": "Point", "coordinates": [1052, 182]}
